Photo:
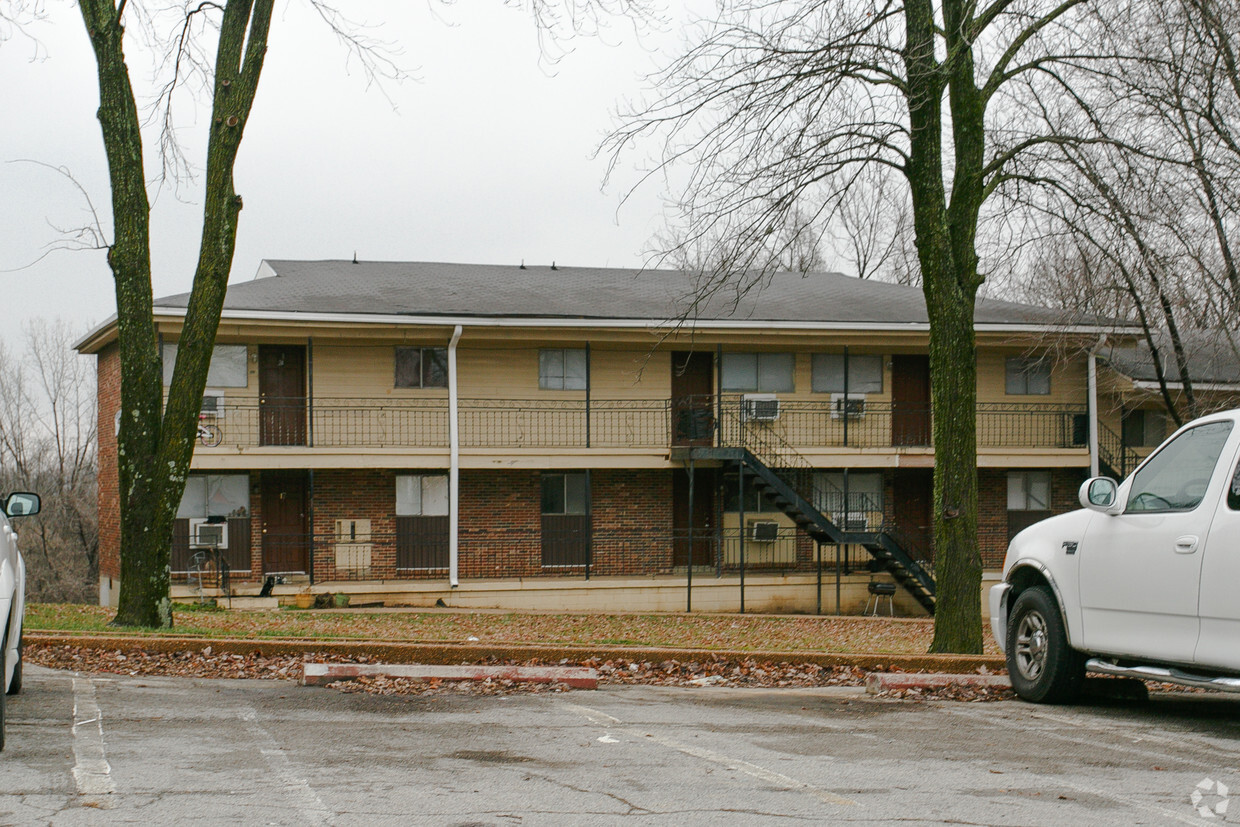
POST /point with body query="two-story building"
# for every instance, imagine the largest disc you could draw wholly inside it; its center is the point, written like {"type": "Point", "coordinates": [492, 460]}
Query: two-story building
{"type": "Point", "coordinates": [577, 437]}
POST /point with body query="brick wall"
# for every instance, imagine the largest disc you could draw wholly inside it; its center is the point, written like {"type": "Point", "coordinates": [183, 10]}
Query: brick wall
{"type": "Point", "coordinates": [364, 494]}
{"type": "Point", "coordinates": [632, 521]}
{"type": "Point", "coordinates": [992, 522]}
{"type": "Point", "coordinates": [500, 524]}
{"type": "Point", "coordinates": [108, 369]}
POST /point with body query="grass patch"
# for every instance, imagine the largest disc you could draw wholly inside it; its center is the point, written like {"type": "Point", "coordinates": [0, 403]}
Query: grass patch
{"type": "Point", "coordinates": [846, 635]}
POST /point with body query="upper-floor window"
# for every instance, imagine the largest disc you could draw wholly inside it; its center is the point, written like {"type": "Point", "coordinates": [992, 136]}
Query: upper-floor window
{"type": "Point", "coordinates": [1027, 376]}
{"type": "Point", "coordinates": [228, 369]}
{"type": "Point", "coordinates": [865, 373]}
{"type": "Point", "coordinates": [562, 369]}
{"type": "Point", "coordinates": [421, 367]}
{"type": "Point", "coordinates": [765, 372]}
{"type": "Point", "coordinates": [1144, 429]}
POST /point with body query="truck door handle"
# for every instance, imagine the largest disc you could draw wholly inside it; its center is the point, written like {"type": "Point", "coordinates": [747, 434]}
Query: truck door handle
{"type": "Point", "coordinates": [1186, 544]}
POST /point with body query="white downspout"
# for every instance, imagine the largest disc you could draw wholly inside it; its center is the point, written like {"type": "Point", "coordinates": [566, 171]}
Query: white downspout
{"type": "Point", "coordinates": [1094, 469]}
{"type": "Point", "coordinates": [454, 462]}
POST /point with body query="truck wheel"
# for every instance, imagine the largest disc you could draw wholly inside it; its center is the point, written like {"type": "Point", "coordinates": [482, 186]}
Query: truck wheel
{"type": "Point", "coordinates": [1042, 666]}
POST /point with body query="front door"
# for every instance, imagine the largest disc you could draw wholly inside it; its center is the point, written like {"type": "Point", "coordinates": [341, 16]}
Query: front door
{"type": "Point", "coordinates": [703, 521]}
{"type": "Point", "coordinates": [286, 541]}
{"type": "Point", "coordinates": [282, 394]}
{"type": "Point", "coordinates": [693, 416]}
{"type": "Point", "coordinates": [912, 495]}
{"type": "Point", "coordinates": [910, 400]}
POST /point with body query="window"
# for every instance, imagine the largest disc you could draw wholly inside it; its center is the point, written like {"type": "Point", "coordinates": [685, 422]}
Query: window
{"type": "Point", "coordinates": [865, 373]}
{"type": "Point", "coordinates": [565, 519]}
{"type": "Point", "coordinates": [1028, 499]}
{"type": "Point", "coordinates": [228, 369]}
{"type": "Point", "coordinates": [562, 369]}
{"type": "Point", "coordinates": [215, 495]}
{"type": "Point", "coordinates": [764, 372]}
{"type": "Point", "coordinates": [1029, 491]}
{"type": "Point", "coordinates": [1144, 429]}
{"type": "Point", "coordinates": [1030, 377]}
{"type": "Point", "coordinates": [755, 503]}
{"type": "Point", "coordinates": [421, 495]}
{"type": "Point", "coordinates": [220, 498]}
{"type": "Point", "coordinates": [865, 498]}
{"type": "Point", "coordinates": [564, 494]}
{"type": "Point", "coordinates": [421, 367]}
{"type": "Point", "coordinates": [1175, 478]}
{"type": "Point", "coordinates": [422, 521]}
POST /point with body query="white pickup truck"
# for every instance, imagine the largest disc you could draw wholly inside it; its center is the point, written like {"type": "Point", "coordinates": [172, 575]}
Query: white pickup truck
{"type": "Point", "coordinates": [1143, 582]}
{"type": "Point", "coordinates": [12, 596]}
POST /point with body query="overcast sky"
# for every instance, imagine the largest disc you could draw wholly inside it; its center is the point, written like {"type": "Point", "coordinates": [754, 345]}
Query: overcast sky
{"type": "Point", "coordinates": [486, 158]}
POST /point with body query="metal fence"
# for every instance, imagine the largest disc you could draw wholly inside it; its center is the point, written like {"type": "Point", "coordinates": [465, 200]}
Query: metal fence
{"type": "Point", "coordinates": [729, 419]}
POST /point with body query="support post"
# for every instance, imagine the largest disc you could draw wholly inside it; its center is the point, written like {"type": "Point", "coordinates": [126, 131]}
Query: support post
{"type": "Point", "coordinates": [587, 397]}
{"type": "Point", "coordinates": [1094, 464]}
{"type": "Point", "coordinates": [740, 484]}
{"type": "Point", "coordinates": [454, 464]}
{"type": "Point", "coordinates": [689, 569]}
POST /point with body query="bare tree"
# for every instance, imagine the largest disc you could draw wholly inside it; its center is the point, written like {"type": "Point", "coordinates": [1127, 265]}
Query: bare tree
{"type": "Point", "coordinates": [47, 445]}
{"type": "Point", "coordinates": [779, 102]}
{"type": "Point", "coordinates": [1149, 214]}
{"type": "Point", "coordinates": [219, 48]}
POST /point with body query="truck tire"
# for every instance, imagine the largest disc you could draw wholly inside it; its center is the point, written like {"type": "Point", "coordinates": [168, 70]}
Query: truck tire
{"type": "Point", "coordinates": [1042, 666]}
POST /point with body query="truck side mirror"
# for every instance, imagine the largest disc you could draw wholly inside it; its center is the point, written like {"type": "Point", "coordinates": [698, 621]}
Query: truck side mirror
{"type": "Point", "coordinates": [1099, 494]}
{"type": "Point", "coordinates": [21, 504]}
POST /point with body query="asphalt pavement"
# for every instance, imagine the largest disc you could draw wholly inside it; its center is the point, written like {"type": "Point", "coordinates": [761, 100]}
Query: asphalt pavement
{"type": "Point", "coordinates": [101, 749]}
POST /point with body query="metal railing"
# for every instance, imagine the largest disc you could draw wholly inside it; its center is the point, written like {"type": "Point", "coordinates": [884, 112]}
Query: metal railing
{"type": "Point", "coordinates": [625, 423]}
{"type": "Point", "coordinates": [421, 553]}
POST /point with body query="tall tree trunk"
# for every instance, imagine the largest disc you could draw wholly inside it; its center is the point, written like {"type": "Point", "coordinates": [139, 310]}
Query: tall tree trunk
{"type": "Point", "coordinates": [154, 447]}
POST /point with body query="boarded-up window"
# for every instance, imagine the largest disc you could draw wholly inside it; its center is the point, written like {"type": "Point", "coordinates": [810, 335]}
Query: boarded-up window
{"type": "Point", "coordinates": [1028, 499]}
{"type": "Point", "coordinates": [421, 367]}
{"type": "Point", "coordinates": [565, 519]}
{"type": "Point", "coordinates": [422, 521]}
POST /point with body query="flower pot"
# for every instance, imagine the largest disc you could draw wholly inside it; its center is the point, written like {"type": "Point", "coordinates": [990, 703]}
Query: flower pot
{"type": "Point", "coordinates": [304, 600]}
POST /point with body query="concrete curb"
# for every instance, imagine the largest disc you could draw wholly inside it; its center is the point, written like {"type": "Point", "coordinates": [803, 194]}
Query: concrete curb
{"type": "Point", "coordinates": [453, 653]}
{"type": "Point", "coordinates": [876, 682]}
{"type": "Point", "coordinates": [321, 674]}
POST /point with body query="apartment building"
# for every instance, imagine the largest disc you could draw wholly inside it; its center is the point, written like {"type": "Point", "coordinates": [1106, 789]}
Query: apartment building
{"type": "Point", "coordinates": [577, 437]}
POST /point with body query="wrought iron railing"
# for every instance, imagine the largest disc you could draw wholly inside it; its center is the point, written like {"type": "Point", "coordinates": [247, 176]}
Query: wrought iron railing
{"type": "Point", "coordinates": [1119, 458]}
{"type": "Point", "coordinates": [623, 423]}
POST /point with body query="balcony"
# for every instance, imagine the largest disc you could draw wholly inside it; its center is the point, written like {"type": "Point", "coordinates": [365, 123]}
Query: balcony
{"type": "Point", "coordinates": [651, 425]}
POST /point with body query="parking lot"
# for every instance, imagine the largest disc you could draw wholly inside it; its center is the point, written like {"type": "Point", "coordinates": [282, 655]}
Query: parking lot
{"type": "Point", "coordinates": [102, 748]}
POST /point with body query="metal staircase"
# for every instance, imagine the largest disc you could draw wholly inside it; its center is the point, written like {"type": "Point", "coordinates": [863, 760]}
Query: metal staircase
{"type": "Point", "coordinates": [787, 480]}
{"type": "Point", "coordinates": [1115, 459]}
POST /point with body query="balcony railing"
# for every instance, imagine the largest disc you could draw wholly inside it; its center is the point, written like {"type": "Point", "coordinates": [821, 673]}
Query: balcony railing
{"type": "Point", "coordinates": [626, 423]}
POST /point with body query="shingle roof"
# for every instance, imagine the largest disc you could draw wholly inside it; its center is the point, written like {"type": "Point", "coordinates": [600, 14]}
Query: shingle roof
{"type": "Point", "coordinates": [484, 290]}
{"type": "Point", "coordinates": [1213, 357]}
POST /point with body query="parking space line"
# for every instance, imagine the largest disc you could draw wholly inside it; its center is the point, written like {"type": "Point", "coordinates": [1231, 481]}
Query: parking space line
{"type": "Point", "coordinates": [740, 765]}
{"type": "Point", "coordinates": [309, 806]}
{"type": "Point", "coordinates": [91, 771]}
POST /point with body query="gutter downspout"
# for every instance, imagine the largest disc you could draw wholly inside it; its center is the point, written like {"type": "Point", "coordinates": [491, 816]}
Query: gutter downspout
{"type": "Point", "coordinates": [1094, 468]}
{"type": "Point", "coordinates": [454, 463]}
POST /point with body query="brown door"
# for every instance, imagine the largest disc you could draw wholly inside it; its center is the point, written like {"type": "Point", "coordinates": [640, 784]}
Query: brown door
{"type": "Point", "coordinates": [282, 394]}
{"type": "Point", "coordinates": [703, 523]}
{"type": "Point", "coordinates": [910, 400]}
{"type": "Point", "coordinates": [693, 406]}
{"type": "Point", "coordinates": [913, 496]}
{"type": "Point", "coordinates": [286, 541]}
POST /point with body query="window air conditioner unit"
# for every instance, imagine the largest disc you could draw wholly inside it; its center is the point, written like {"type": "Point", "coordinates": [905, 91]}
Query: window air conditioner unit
{"type": "Point", "coordinates": [763, 531]}
{"type": "Point", "coordinates": [209, 532]}
{"type": "Point", "coordinates": [850, 407]}
{"type": "Point", "coordinates": [760, 407]}
{"type": "Point", "coordinates": [852, 521]}
{"type": "Point", "coordinates": [213, 405]}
